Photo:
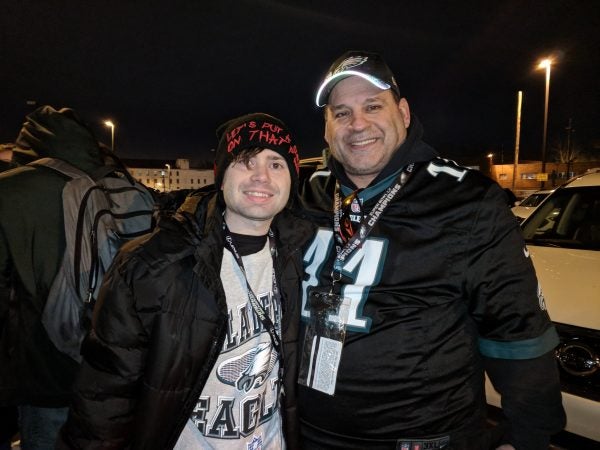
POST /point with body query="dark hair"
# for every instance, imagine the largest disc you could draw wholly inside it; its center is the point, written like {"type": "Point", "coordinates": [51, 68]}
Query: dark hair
{"type": "Point", "coordinates": [243, 156]}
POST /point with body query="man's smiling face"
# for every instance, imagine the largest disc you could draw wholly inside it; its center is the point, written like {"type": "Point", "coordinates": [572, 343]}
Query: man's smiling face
{"type": "Point", "coordinates": [364, 127]}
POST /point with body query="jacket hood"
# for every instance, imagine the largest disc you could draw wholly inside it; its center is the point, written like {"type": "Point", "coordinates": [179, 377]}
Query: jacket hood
{"type": "Point", "coordinates": [412, 150]}
{"type": "Point", "coordinates": [57, 134]}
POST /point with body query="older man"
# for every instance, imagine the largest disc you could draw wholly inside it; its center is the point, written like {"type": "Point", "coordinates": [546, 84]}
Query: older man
{"type": "Point", "coordinates": [437, 283]}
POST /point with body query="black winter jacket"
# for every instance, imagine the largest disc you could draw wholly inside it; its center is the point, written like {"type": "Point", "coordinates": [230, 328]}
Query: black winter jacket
{"type": "Point", "coordinates": [159, 326]}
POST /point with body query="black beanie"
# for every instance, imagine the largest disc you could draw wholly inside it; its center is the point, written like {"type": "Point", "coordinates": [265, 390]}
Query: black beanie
{"type": "Point", "coordinates": [256, 130]}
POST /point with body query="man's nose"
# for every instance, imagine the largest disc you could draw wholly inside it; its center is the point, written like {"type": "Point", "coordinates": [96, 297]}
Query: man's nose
{"type": "Point", "coordinates": [359, 121]}
{"type": "Point", "coordinates": [260, 172]}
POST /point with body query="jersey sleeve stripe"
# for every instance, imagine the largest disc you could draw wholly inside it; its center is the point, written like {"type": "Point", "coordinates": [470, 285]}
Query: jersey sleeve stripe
{"type": "Point", "coordinates": [525, 349]}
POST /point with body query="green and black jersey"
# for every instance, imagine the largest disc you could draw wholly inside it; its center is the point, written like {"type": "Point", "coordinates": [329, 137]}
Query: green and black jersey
{"type": "Point", "coordinates": [442, 282]}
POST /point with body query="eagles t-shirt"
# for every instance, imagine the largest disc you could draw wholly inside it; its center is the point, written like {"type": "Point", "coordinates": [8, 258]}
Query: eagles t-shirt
{"type": "Point", "coordinates": [238, 407]}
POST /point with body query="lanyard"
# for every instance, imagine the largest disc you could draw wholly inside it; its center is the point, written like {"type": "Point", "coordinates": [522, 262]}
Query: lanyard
{"type": "Point", "coordinates": [258, 309]}
{"type": "Point", "coordinates": [367, 223]}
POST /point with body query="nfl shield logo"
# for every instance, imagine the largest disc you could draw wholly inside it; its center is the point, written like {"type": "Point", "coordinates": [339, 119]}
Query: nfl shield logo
{"type": "Point", "coordinates": [256, 443]}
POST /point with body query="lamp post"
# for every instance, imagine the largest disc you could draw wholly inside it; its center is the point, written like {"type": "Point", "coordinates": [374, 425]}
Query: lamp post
{"type": "Point", "coordinates": [517, 139]}
{"type": "Point", "coordinates": [111, 125]}
{"type": "Point", "coordinates": [491, 158]}
{"type": "Point", "coordinates": [545, 64]}
{"type": "Point", "coordinates": [168, 166]}
{"type": "Point", "coordinates": [164, 184]}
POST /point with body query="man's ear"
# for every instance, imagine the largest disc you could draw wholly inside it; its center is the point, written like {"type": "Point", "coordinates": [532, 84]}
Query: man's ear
{"type": "Point", "coordinates": [404, 111]}
{"type": "Point", "coordinates": [326, 118]}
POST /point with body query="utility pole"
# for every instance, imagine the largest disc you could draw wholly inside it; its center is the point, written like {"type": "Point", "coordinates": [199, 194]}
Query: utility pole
{"type": "Point", "coordinates": [517, 139]}
{"type": "Point", "coordinates": [570, 130]}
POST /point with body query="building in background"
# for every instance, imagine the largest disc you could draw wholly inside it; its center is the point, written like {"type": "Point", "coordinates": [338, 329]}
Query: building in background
{"type": "Point", "coordinates": [168, 175]}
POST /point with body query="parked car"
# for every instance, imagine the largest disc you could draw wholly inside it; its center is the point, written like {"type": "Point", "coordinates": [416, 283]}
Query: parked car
{"type": "Point", "coordinates": [523, 209]}
{"type": "Point", "coordinates": [563, 238]}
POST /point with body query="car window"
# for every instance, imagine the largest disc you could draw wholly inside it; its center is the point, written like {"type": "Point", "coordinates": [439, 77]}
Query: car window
{"type": "Point", "coordinates": [569, 218]}
{"type": "Point", "coordinates": [533, 200]}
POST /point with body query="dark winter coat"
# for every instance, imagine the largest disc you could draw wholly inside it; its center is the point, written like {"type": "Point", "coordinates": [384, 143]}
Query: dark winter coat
{"type": "Point", "coordinates": [159, 327]}
{"type": "Point", "coordinates": [32, 242]}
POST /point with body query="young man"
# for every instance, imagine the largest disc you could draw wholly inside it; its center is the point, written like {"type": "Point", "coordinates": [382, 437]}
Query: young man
{"type": "Point", "coordinates": [438, 282]}
{"type": "Point", "coordinates": [194, 337]}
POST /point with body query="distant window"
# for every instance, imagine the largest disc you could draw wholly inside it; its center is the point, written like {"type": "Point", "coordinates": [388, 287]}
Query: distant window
{"type": "Point", "coordinates": [177, 180]}
{"type": "Point", "coordinates": [503, 176]}
{"type": "Point", "coordinates": [177, 173]}
{"type": "Point", "coordinates": [566, 175]}
{"type": "Point", "coordinates": [192, 181]}
{"type": "Point", "coordinates": [205, 181]}
{"type": "Point", "coordinates": [529, 176]}
{"type": "Point", "coordinates": [147, 180]}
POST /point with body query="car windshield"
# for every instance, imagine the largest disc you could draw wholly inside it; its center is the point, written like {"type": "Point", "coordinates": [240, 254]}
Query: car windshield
{"type": "Point", "coordinates": [533, 200]}
{"type": "Point", "coordinates": [569, 218]}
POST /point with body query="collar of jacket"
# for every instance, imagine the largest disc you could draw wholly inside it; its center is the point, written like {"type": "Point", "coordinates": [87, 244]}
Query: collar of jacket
{"type": "Point", "coordinates": [180, 235]}
{"type": "Point", "coordinates": [412, 150]}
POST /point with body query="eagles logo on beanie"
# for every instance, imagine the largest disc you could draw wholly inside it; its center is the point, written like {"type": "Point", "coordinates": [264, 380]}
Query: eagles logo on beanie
{"type": "Point", "coordinates": [256, 130]}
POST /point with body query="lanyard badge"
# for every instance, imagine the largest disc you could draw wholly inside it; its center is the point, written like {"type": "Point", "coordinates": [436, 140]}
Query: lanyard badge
{"type": "Point", "coordinates": [326, 330]}
{"type": "Point", "coordinates": [323, 341]}
{"type": "Point", "coordinates": [256, 306]}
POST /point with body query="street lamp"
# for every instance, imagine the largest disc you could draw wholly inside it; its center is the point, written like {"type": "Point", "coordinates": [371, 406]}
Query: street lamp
{"type": "Point", "coordinates": [164, 184]}
{"type": "Point", "coordinates": [491, 158]}
{"type": "Point", "coordinates": [545, 64]}
{"type": "Point", "coordinates": [168, 166]}
{"type": "Point", "coordinates": [111, 125]}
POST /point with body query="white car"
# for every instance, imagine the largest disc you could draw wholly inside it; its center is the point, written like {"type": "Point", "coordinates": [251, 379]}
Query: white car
{"type": "Point", "coordinates": [563, 238]}
{"type": "Point", "coordinates": [524, 208]}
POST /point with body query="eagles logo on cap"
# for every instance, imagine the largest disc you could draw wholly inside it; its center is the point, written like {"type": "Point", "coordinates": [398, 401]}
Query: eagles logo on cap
{"type": "Point", "coordinates": [369, 66]}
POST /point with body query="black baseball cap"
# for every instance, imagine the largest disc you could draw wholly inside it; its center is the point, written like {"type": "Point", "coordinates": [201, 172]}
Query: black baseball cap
{"type": "Point", "coordinates": [367, 65]}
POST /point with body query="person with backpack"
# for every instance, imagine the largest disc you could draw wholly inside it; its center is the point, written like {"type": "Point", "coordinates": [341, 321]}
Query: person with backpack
{"type": "Point", "coordinates": [194, 336]}
{"type": "Point", "coordinates": [8, 414]}
{"type": "Point", "coordinates": [34, 374]}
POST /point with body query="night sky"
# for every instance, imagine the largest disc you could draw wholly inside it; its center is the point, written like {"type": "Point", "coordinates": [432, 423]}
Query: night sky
{"type": "Point", "coordinates": [168, 73]}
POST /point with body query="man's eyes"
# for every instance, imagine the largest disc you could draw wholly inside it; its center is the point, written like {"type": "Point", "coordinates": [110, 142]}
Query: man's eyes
{"type": "Point", "coordinates": [274, 164]}
{"type": "Point", "coordinates": [374, 107]}
{"type": "Point", "coordinates": [369, 108]}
